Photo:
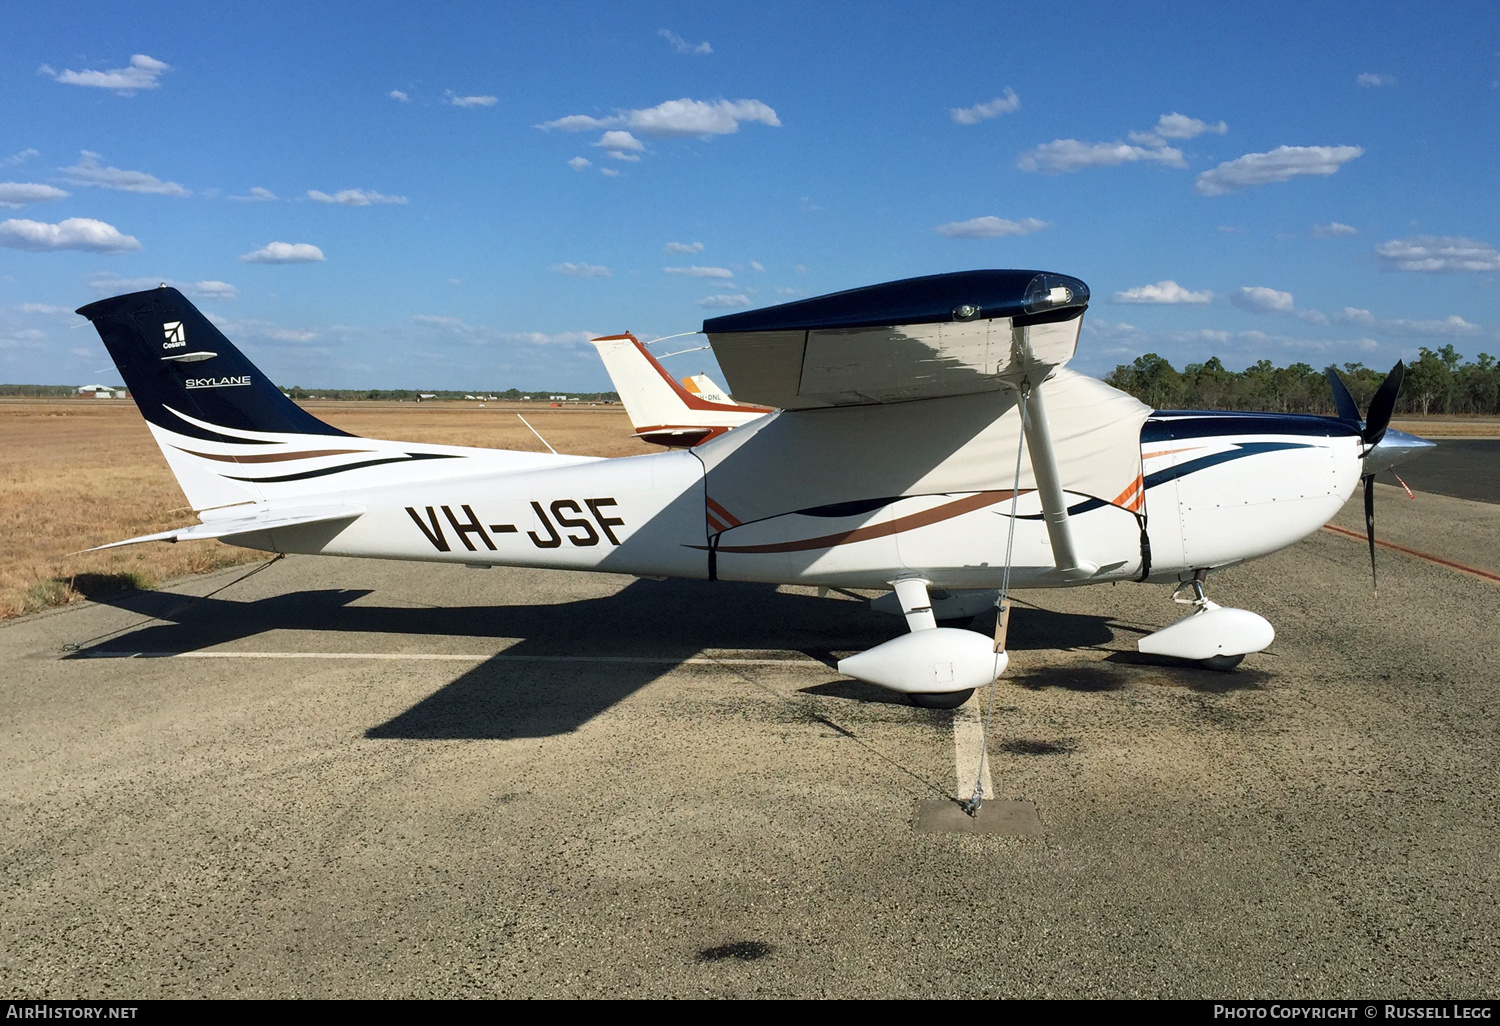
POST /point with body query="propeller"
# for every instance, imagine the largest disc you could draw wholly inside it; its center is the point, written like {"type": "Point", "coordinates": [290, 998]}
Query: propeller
{"type": "Point", "coordinates": [1372, 429]}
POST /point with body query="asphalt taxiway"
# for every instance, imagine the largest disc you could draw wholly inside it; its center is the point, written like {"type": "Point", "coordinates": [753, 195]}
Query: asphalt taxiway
{"type": "Point", "coordinates": [356, 778]}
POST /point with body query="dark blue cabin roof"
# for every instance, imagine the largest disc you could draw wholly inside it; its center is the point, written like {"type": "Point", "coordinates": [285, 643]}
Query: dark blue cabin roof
{"type": "Point", "coordinates": [958, 296]}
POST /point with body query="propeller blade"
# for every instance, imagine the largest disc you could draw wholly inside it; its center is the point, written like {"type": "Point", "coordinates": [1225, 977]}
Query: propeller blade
{"type": "Point", "coordinates": [1369, 482]}
{"type": "Point", "coordinates": [1383, 405]}
{"type": "Point", "coordinates": [1343, 402]}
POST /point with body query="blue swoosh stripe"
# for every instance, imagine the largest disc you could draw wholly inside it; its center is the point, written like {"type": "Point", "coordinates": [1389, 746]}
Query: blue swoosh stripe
{"type": "Point", "coordinates": [1204, 462]}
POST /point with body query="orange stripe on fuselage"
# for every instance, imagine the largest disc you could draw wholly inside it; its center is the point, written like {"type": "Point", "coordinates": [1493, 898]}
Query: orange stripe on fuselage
{"type": "Point", "coordinates": [936, 515]}
{"type": "Point", "coordinates": [1168, 452]}
{"type": "Point", "coordinates": [723, 514]}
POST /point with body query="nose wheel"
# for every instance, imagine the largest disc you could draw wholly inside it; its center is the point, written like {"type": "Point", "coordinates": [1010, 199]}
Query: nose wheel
{"type": "Point", "coordinates": [1214, 637]}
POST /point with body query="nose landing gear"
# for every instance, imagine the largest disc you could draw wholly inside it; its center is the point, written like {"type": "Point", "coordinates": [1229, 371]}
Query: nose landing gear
{"type": "Point", "coordinates": [1216, 637]}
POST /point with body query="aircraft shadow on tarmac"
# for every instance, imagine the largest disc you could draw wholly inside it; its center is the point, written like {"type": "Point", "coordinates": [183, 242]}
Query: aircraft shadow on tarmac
{"type": "Point", "coordinates": [512, 697]}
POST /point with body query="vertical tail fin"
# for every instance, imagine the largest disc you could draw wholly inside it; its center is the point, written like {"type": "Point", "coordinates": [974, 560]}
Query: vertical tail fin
{"type": "Point", "coordinates": [208, 406]}
{"type": "Point", "coordinates": [175, 362]}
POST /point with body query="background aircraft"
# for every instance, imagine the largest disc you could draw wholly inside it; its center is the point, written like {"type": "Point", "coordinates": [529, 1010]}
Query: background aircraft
{"type": "Point", "coordinates": [922, 436]}
{"type": "Point", "coordinates": [662, 409]}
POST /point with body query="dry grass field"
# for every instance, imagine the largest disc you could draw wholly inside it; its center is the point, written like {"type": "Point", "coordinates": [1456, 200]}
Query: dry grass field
{"type": "Point", "coordinates": [82, 472]}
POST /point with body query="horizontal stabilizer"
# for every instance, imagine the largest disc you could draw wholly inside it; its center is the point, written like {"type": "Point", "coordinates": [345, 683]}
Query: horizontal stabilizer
{"type": "Point", "coordinates": [261, 520]}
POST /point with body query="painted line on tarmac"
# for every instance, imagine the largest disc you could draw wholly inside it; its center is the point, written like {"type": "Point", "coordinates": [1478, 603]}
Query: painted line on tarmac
{"type": "Point", "coordinates": [455, 657]}
{"type": "Point", "coordinates": [968, 742]}
{"type": "Point", "coordinates": [1483, 575]}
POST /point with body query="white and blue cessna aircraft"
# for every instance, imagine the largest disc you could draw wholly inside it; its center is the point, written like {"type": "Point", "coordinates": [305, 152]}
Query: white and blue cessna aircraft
{"type": "Point", "coordinates": [922, 431]}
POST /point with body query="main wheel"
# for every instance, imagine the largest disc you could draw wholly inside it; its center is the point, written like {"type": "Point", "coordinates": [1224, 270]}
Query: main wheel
{"type": "Point", "coordinates": [1222, 663]}
{"type": "Point", "coordinates": [940, 699]}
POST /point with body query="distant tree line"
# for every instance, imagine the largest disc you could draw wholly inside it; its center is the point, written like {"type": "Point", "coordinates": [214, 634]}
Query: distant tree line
{"type": "Point", "coordinates": [1436, 382]}
{"type": "Point", "coordinates": [39, 391]}
{"type": "Point", "coordinates": [411, 394]}
{"type": "Point", "coordinates": [386, 394]}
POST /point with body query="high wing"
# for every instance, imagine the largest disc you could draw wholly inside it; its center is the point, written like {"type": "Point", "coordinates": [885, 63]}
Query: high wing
{"type": "Point", "coordinates": [919, 338]}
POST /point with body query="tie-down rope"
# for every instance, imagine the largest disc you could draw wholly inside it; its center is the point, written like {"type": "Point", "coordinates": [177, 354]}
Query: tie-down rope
{"type": "Point", "coordinates": [1002, 616]}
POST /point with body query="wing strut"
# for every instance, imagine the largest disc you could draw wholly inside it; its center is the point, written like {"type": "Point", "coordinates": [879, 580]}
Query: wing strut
{"type": "Point", "coordinates": [1049, 487]}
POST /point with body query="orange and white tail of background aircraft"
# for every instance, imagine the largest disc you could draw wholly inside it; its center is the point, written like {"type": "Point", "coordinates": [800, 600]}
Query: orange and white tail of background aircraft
{"type": "Point", "coordinates": [661, 408]}
{"type": "Point", "coordinates": [922, 437]}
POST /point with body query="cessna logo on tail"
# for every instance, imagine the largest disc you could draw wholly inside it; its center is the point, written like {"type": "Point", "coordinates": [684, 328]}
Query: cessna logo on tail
{"type": "Point", "coordinates": [175, 334]}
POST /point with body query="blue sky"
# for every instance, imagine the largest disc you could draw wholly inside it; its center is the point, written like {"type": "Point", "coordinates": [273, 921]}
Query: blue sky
{"type": "Point", "coordinates": [373, 195]}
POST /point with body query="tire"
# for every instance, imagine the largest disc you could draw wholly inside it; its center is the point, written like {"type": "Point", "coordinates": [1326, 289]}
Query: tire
{"type": "Point", "coordinates": [939, 700]}
{"type": "Point", "coordinates": [1222, 663]}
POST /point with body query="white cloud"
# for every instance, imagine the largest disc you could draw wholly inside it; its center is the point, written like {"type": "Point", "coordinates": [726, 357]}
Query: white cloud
{"type": "Point", "coordinates": [1163, 292]}
{"type": "Point", "coordinates": [74, 233]}
{"type": "Point", "coordinates": [756, 265]}
{"type": "Point", "coordinates": [1279, 165]}
{"type": "Point", "coordinates": [88, 171]}
{"type": "Point", "coordinates": [1450, 326]}
{"type": "Point", "coordinates": [353, 197]}
{"type": "Point", "coordinates": [609, 172]}
{"type": "Point", "coordinates": [620, 144]}
{"type": "Point", "coordinates": [989, 228]}
{"type": "Point", "coordinates": [285, 253]}
{"type": "Point", "coordinates": [42, 308]}
{"type": "Point", "coordinates": [399, 96]}
{"type": "Point", "coordinates": [723, 302]}
{"type": "Point", "coordinates": [683, 46]}
{"type": "Point", "coordinates": [1064, 156]}
{"type": "Point", "coordinates": [18, 194]}
{"type": "Point", "coordinates": [1126, 339]}
{"type": "Point", "coordinates": [1259, 299]}
{"type": "Point", "coordinates": [113, 285]}
{"type": "Point", "coordinates": [542, 338]}
{"type": "Point", "coordinates": [581, 270]}
{"type": "Point", "coordinates": [676, 118]}
{"type": "Point", "coordinates": [214, 290]}
{"type": "Point", "coordinates": [1180, 126]}
{"type": "Point", "coordinates": [1438, 254]}
{"type": "Point", "coordinates": [1333, 230]}
{"type": "Point", "coordinates": [579, 163]}
{"type": "Point", "coordinates": [141, 74]}
{"type": "Point", "coordinates": [21, 156]}
{"type": "Point", "coordinates": [479, 335]}
{"type": "Point", "coordinates": [452, 324]}
{"type": "Point", "coordinates": [1370, 79]}
{"type": "Point", "coordinates": [1004, 104]}
{"type": "Point", "coordinates": [454, 100]}
{"type": "Point", "coordinates": [701, 272]}
{"type": "Point", "coordinates": [27, 338]}
{"type": "Point", "coordinates": [256, 195]}
{"type": "Point", "coordinates": [683, 247]}
{"type": "Point", "coordinates": [1354, 315]}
